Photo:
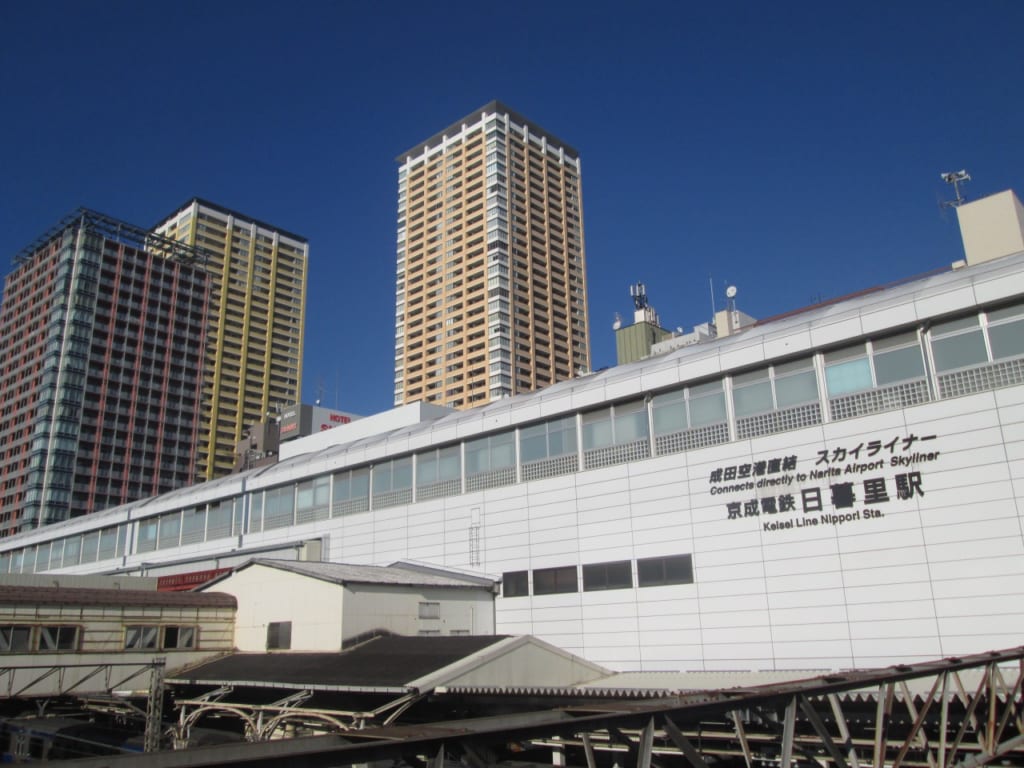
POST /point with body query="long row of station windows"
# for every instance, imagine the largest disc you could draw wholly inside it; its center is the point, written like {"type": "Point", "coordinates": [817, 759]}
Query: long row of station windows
{"type": "Point", "coordinates": [66, 638]}
{"type": "Point", "coordinates": [967, 354]}
{"type": "Point", "coordinates": [597, 577]}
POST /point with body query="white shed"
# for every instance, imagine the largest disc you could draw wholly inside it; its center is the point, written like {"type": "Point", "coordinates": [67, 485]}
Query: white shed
{"type": "Point", "coordinates": [302, 606]}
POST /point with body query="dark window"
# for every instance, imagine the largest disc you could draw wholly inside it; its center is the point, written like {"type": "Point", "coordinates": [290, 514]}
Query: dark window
{"type": "Point", "coordinates": [430, 610]}
{"type": "Point", "coordinates": [61, 638]}
{"type": "Point", "coordinates": [617, 575]}
{"type": "Point", "coordinates": [15, 639]}
{"type": "Point", "coordinates": [654, 571]}
{"type": "Point", "coordinates": [179, 637]}
{"type": "Point", "coordinates": [515, 584]}
{"type": "Point", "coordinates": [551, 581]}
{"type": "Point", "coordinates": [279, 636]}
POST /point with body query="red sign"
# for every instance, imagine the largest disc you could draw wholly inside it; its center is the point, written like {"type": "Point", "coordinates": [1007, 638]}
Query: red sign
{"type": "Point", "coordinates": [180, 582]}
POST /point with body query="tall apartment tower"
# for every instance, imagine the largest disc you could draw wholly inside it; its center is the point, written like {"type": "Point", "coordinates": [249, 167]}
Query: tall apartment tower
{"type": "Point", "coordinates": [102, 338]}
{"type": "Point", "coordinates": [491, 295]}
{"type": "Point", "coordinates": [257, 318]}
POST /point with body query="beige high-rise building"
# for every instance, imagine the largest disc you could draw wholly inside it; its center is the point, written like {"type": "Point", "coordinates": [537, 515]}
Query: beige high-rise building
{"type": "Point", "coordinates": [257, 316]}
{"type": "Point", "coordinates": [491, 296]}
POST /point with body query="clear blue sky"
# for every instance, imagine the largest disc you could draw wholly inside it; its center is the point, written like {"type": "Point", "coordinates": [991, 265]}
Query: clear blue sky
{"type": "Point", "coordinates": [793, 149]}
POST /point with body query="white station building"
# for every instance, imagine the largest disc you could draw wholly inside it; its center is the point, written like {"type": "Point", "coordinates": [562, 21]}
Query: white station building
{"type": "Point", "coordinates": [838, 487]}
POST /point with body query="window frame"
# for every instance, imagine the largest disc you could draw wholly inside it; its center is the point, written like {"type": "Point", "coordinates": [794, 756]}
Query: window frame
{"type": "Point", "coordinates": [556, 580]}
{"type": "Point", "coordinates": [644, 564]}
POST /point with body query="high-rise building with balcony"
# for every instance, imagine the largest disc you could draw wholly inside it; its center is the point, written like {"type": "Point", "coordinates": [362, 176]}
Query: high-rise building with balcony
{"type": "Point", "coordinates": [490, 285]}
{"type": "Point", "coordinates": [102, 338]}
{"type": "Point", "coordinates": [257, 314]}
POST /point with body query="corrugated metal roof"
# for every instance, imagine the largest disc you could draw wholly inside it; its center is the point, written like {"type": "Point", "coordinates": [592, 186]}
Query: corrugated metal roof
{"type": "Point", "coordinates": [690, 681]}
{"type": "Point", "coordinates": [382, 664]}
{"type": "Point", "coordinates": [24, 595]}
{"type": "Point", "coordinates": [656, 685]}
{"type": "Point", "coordinates": [342, 573]}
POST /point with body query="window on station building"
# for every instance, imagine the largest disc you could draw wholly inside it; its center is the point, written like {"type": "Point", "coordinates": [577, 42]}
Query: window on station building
{"type": "Point", "coordinates": [438, 466]}
{"type": "Point", "coordinates": [515, 584]}
{"type": "Point", "coordinates": [193, 525]}
{"type": "Point", "coordinates": [613, 575]}
{"type": "Point", "coordinates": [548, 439]}
{"type": "Point", "coordinates": [147, 535]}
{"type": "Point", "coordinates": [351, 492]}
{"type": "Point", "coordinates": [897, 358]}
{"type": "Point", "coordinates": [111, 542]}
{"type": "Point", "coordinates": [689, 408]}
{"type": "Point", "coordinates": [393, 475]}
{"type": "Point", "coordinates": [491, 453]}
{"type": "Point", "coordinates": [658, 571]}
{"type": "Point", "coordinates": [279, 636]}
{"type": "Point", "coordinates": [965, 341]}
{"type": "Point", "coordinates": [170, 530]}
{"type": "Point", "coordinates": [179, 637]}
{"type": "Point", "coordinates": [615, 425]}
{"type": "Point", "coordinates": [58, 638]}
{"type": "Point", "coordinates": [552, 581]}
{"type": "Point", "coordinates": [218, 520]}
{"type": "Point", "coordinates": [777, 387]}
{"type": "Point", "coordinates": [958, 343]}
{"type": "Point", "coordinates": [255, 524]}
{"type": "Point", "coordinates": [15, 639]}
{"type": "Point", "coordinates": [313, 499]}
{"type": "Point", "coordinates": [279, 507]}
{"type": "Point", "coordinates": [429, 610]}
{"type": "Point", "coordinates": [879, 363]}
{"type": "Point", "coordinates": [141, 637]}
{"type": "Point", "coordinates": [1006, 331]}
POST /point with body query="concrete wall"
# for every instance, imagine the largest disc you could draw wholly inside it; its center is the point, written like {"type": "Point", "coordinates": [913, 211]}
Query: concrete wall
{"type": "Point", "coordinates": [396, 609]}
{"type": "Point", "coordinates": [324, 614]}
{"type": "Point", "coordinates": [269, 594]}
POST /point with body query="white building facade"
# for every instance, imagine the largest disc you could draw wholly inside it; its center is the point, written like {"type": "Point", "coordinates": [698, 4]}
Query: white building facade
{"type": "Point", "coordinates": [305, 606]}
{"type": "Point", "coordinates": [840, 487]}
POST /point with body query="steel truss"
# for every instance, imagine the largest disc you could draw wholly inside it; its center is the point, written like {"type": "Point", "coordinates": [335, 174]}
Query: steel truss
{"type": "Point", "coordinates": [262, 722]}
{"type": "Point", "coordinates": [120, 231]}
{"type": "Point", "coordinates": [71, 679]}
{"type": "Point", "coordinates": [953, 713]}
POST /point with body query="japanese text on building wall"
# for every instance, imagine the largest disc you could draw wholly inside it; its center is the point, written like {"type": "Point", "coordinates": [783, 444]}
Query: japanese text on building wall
{"type": "Point", "coordinates": [846, 483]}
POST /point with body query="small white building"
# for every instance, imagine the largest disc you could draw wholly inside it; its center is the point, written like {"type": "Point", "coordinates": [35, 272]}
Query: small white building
{"type": "Point", "coordinates": [303, 606]}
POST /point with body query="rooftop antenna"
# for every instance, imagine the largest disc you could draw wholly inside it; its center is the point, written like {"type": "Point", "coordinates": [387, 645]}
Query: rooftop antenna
{"type": "Point", "coordinates": [618, 322]}
{"type": "Point", "coordinates": [639, 294]}
{"type": "Point", "coordinates": [711, 287]}
{"type": "Point", "coordinates": [956, 178]}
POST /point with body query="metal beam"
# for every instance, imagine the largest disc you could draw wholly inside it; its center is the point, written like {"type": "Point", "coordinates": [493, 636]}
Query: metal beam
{"type": "Point", "coordinates": [685, 746]}
{"type": "Point", "coordinates": [819, 727]}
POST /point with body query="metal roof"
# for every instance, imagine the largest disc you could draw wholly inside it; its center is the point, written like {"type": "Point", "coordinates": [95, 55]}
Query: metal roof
{"type": "Point", "coordinates": [383, 664]}
{"type": "Point", "coordinates": [134, 598]}
{"type": "Point", "coordinates": [342, 573]}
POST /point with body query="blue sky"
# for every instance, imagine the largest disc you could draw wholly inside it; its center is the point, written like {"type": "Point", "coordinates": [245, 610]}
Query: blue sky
{"type": "Point", "coordinates": [791, 149]}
